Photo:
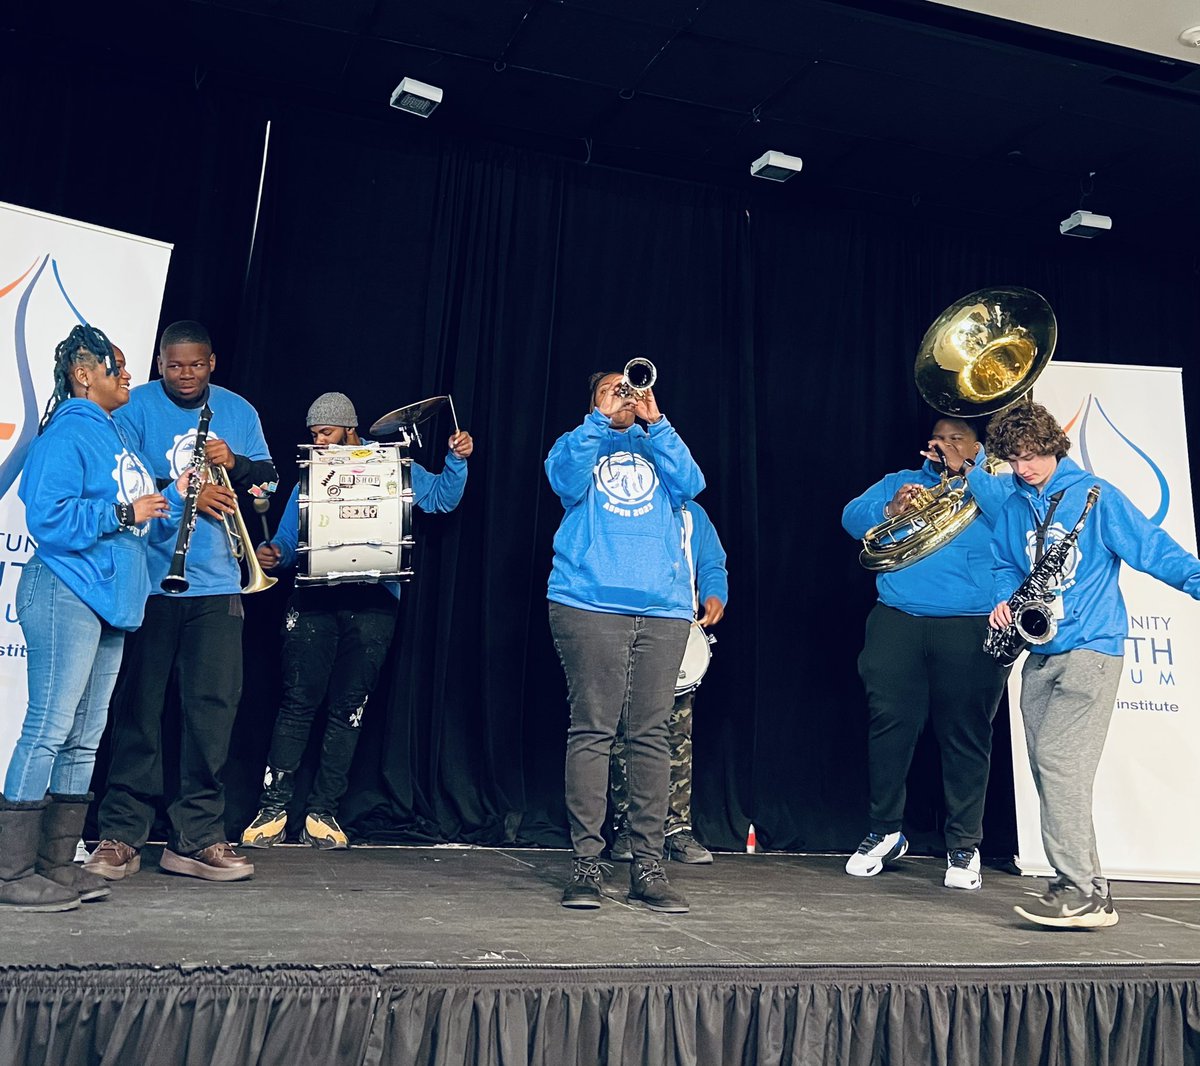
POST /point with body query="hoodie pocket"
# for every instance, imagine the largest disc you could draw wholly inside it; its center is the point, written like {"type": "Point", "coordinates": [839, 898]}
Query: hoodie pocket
{"type": "Point", "coordinates": [630, 569]}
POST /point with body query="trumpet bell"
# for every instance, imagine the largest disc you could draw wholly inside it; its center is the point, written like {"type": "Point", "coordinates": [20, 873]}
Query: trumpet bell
{"type": "Point", "coordinates": [985, 351]}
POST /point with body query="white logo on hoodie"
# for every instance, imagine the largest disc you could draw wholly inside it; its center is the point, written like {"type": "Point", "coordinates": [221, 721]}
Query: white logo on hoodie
{"type": "Point", "coordinates": [133, 480]}
{"type": "Point", "coordinates": [628, 481]}
{"type": "Point", "coordinates": [1053, 535]}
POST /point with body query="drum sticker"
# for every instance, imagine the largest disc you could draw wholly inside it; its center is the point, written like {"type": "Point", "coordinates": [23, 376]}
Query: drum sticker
{"type": "Point", "coordinates": [391, 488]}
{"type": "Point", "coordinates": [327, 478]}
{"type": "Point", "coordinates": [629, 481]}
{"type": "Point", "coordinates": [358, 510]}
{"type": "Point", "coordinates": [333, 490]}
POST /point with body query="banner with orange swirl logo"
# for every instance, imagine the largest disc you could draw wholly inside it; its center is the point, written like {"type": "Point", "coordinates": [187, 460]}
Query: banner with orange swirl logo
{"type": "Point", "coordinates": [54, 274]}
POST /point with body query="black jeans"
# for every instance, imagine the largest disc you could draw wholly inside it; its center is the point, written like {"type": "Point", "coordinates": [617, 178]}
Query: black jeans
{"type": "Point", "coordinates": [332, 656]}
{"type": "Point", "coordinates": [198, 641]}
{"type": "Point", "coordinates": [930, 669]}
{"type": "Point", "coordinates": [615, 662]}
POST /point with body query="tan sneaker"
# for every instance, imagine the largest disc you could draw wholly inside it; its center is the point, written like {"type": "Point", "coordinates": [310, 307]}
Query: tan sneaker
{"type": "Point", "coordinates": [268, 828]}
{"type": "Point", "coordinates": [323, 832]}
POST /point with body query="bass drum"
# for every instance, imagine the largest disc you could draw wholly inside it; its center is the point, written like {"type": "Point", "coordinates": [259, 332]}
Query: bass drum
{"type": "Point", "coordinates": [356, 521]}
{"type": "Point", "coordinates": [696, 657]}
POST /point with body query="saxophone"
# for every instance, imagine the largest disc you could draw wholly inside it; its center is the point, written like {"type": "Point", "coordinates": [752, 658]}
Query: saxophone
{"type": "Point", "coordinates": [1033, 620]}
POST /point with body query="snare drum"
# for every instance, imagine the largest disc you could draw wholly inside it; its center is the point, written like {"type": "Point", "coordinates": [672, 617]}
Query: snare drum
{"type": "Point", "coordinates": [696, 657]}
{"type": "Point", "coordinates": [356, 516]}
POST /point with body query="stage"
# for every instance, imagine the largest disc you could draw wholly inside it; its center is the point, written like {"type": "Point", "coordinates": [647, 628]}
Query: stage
{"type": "Point", "coordinates": [463, 955]}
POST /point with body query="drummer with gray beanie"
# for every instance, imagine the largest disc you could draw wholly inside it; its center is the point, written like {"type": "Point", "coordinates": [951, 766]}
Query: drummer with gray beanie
{"type": "Point", "coordinates": [335, 638]}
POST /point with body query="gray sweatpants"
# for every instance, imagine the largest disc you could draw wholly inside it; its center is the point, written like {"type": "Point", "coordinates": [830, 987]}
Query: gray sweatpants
{"type": "Point", "coordinates": [1067, 703]}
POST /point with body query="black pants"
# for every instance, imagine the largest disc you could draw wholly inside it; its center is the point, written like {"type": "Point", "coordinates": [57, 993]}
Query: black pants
{"type": "Point", "coordinates": [198, 641]}
{"type": "Point", "coordinates": [332, 656]}
{"type": "Point", "coordinates": [930, 669]}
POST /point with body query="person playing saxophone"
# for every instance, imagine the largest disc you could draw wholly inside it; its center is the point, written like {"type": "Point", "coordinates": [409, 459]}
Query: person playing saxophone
{"type": "Point", "coordinates": [1069, 683]}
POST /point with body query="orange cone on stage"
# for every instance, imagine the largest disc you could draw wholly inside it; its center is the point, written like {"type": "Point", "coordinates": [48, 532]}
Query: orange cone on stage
{"type": "Point", "coordinates": [751, 843]}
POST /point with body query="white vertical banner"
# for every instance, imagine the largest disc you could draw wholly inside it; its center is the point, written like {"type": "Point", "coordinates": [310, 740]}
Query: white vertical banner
{"type": "Point", "coordinates": [1126, 425]}
{"type": "Point", "coordinates": [54, 274]}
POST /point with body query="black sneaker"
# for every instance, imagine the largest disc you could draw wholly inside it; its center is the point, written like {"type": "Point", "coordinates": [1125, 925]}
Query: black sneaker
{"type": "Point", "coordinates": [622, 846]}
{"type": "Point", "coordinates": [1111, 917]}
{"type": "Point", "coordinates": [1065, 907]}
{"type": "Point", "coordinates": [648, 884]}
{"type": "Point", "coordinates": [684, 847]}
{"type": "Point", "coordinates": [586, 887]}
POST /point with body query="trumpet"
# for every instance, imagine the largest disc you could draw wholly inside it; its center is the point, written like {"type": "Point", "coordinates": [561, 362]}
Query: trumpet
{"type": "Point", "coordinates": [637, 378]}
{"type": "Point", "coordinates": [235, 526]}
{"type": "Point", "coordinates": [239, 538]}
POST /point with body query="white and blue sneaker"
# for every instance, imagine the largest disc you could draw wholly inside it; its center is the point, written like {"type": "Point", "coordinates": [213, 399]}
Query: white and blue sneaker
{"type": "Point", "coordinates": [962, 869]}
{"type": "Point", "coordinates": [874, 852]}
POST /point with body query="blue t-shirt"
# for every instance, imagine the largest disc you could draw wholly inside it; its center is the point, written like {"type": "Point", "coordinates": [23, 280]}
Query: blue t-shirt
{"type": "Point", "coordinates": [166, 434]}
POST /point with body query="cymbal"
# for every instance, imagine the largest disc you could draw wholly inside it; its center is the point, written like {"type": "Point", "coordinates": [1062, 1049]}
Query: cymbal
{"type": "Point", "coordinates": [412, 415]}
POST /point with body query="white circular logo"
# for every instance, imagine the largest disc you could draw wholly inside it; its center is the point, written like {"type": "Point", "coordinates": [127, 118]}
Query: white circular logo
{"type": "Point", "coordinates": [1053, 535]}
{"type": "Point", "coordinates": [133, 480]}
{"type": "Point", "coordinates": [626, 479]}
{"type": "Point", "coordinates": [179, 455]}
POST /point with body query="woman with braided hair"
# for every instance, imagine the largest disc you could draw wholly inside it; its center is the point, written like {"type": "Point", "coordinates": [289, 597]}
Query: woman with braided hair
{"type": "Point", "coordinates": [91, 505]}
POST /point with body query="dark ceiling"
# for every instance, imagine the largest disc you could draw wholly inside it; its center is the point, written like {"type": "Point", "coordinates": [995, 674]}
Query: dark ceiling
{"type": "Point", "coordinates": [897, 102]}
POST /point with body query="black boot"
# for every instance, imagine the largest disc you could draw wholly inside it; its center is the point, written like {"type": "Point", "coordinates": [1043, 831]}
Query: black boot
{"type": "Point", "coordinates": [20, 887]}
{"type": "Point", "coordinates": [62, 824]}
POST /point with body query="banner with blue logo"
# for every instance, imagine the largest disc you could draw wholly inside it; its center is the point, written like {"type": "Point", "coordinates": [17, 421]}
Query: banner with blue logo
{"type": "Point", "coordinates": [1126, 425]}
{"type": "Point", "coordinates": [54, 274]}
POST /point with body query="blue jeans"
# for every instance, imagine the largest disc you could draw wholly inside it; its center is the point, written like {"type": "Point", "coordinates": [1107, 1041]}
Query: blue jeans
{"type": "Point", "coordinates": [73, 657]}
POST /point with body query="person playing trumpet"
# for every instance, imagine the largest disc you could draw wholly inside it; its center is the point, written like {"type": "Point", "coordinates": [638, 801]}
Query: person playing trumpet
{"type": "Point", "coordinates": [620, 611]}
{"type": "Point", "coordinates": [923, 660]}
{"type": "Point", "coordinates": [335, 639]}
{"type": "Point", "coordinates": [193, 638]}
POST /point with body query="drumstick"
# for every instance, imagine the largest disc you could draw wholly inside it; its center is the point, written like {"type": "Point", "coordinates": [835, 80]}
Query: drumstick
{"type": "Point", "coordinates": [452, 414]}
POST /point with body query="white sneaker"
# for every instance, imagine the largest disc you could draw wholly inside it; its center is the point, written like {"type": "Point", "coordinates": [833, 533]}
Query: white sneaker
{"type": "Point", "coordinates": [962, 869]}
{"type": "Point", "coordinates": [81, 852]}
{"type": "Point", "coordinates": [873, 852]}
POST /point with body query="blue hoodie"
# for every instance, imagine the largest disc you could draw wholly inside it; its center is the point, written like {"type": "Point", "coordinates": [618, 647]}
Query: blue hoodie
{"type": "Point", "coordinates": [74, 474]}
{"type": "Point", "coordinates": [1094, 615]}
{"type": "Point", "coordinates": [956, 579]}
{"type": "Point", "coordinates": [619, 547]}
{"type": "Point", "coordinates": [432, 493]}
{"type": "Point", "coordinates": [166, 433]}
{"type": "Point", "coordinates": [708, 556]}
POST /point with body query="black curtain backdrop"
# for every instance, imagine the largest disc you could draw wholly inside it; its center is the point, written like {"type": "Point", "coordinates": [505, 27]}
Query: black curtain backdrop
{"type": "Point", "coordinates": [392, 263]}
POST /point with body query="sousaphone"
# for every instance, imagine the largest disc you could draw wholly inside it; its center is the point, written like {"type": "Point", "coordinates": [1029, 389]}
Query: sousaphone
{"type": "Point", "coordinates": [981, 355]}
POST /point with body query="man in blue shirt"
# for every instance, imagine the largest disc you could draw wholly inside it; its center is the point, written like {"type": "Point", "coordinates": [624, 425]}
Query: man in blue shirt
{"type": "Point", "coordinates": [335, 638]}
{"type": "Point", "coordinates": [193, 637]}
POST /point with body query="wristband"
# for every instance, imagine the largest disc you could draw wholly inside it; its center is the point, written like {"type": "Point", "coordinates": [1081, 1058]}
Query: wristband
{"type": "Point", "coordinates": [124, 515]}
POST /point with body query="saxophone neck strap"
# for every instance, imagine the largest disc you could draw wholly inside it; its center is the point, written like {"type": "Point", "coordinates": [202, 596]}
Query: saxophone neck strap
{"type": "Point", "coordinates": [1043, 527]}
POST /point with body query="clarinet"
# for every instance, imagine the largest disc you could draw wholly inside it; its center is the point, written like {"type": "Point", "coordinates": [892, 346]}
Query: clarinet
{"type": "Point", "coordinates": [175, 581]}
{"type": "Point", "coordinates": [1033, 621]}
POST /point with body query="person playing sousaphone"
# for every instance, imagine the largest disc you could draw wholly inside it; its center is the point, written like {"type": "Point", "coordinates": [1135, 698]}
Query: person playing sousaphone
{"type": "Point", "coordinates": [927, 533]}
{"type": "Point", "coordinates": [335, 638]}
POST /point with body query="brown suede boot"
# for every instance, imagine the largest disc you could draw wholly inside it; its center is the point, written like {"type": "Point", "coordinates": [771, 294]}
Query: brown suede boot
{"type": "Point", "coordinates": [62, 824]}
{"type": "Point", "coordinates": [20, 887]}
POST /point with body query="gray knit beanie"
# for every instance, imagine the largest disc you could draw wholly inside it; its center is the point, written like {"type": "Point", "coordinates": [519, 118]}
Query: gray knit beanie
{"type": "Point", "coordinates": [332, 409]}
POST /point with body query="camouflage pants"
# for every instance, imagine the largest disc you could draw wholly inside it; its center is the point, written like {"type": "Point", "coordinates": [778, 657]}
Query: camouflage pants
{"type": "Point", "coordinates": [679, 799]}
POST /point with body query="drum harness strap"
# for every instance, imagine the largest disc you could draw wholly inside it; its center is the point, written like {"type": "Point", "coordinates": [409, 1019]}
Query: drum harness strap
{"type": "Point", "coordinates": [687, 552]}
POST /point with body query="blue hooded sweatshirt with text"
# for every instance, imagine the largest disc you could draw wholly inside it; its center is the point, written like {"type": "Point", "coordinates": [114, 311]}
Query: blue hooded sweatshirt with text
{"type": "Point", "coordinates": [619, 547]}
{"type": "Point", "coordinates": [1092, 607]}
{"type": "Point", "coordinates": [955, 580]}
{"type": "Point", "coordinates": [75, 473]}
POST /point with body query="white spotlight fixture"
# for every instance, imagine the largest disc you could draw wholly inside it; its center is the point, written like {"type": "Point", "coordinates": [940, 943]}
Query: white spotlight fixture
{"type": "Point", "coordinates": [776, 166]}
{"type": "Point", "coordinates": [1084, 224]}
{"type": "Point", "coordinates": [416, 97]}
{"type": "Point", "coordinates": [1190, 37]}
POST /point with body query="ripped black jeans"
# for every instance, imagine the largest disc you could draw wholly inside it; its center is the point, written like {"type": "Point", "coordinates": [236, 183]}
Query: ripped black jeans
{"type": "Point", "coordinates": [331, 656]}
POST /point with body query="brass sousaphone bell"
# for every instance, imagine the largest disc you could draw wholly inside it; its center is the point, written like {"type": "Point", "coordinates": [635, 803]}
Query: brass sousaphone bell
{"type": "Point", "coordinates": [981, 355]}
